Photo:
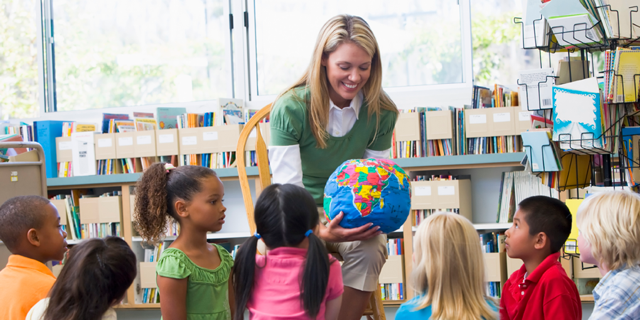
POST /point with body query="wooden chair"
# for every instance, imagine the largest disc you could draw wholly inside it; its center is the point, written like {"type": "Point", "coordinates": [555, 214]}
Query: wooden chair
{"type": "Point", "coordinates": [375, 310]}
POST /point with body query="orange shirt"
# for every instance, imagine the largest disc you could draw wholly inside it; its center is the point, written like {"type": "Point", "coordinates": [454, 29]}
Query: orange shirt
{"type": "Point", "coordinates": [23, 283]}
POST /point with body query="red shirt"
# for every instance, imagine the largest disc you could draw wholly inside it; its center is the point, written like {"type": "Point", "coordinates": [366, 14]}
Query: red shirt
{"type": "Point", "coordinates": [547, 293]}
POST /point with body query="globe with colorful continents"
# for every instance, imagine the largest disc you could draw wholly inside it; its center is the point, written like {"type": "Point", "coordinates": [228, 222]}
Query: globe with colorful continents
{"type": "Point", "coordinates": [368, 190]}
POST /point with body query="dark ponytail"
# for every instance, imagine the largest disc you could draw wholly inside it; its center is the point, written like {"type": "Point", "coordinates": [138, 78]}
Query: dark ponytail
{"type": "Point", "coordinates": [158, 190]}
{"type": "Point", "coordinates": [283, 215]}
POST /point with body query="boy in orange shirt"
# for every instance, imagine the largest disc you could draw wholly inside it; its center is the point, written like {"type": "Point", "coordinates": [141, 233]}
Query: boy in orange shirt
{"type": "Point", "coordinates": [541, 288]}
{"type": "Point", "coordinates": [30, 228]}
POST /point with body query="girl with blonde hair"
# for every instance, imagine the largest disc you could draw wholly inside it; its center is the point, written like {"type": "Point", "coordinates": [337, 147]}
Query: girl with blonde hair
{"type": "Point", "coordinates": [609, 237]}
{"type": "Point", "coordinates": [337, 111]}
{"type": "Point", "coordinates": [448, 272]}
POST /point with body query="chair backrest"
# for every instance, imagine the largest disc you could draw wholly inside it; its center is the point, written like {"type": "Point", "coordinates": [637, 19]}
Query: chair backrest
{"type": "Point", "coordinates": [262, 158]}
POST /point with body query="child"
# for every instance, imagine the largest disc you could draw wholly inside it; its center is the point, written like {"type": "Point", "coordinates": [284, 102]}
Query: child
{"type": "Point", "coordinates": [448, 272]}
{"type": "Point", "coordinates": [94, 279]}
{"type": "Point", "coordinates": [193, 275]}
{"type": "Point", "coordinates": [30, 228]}
{"type": "Point", "coordinates": [609, 237]}
{"type": "Point", "coordinates": [297, 279]}
{"type": "Point", "coordinates": [541, 288]}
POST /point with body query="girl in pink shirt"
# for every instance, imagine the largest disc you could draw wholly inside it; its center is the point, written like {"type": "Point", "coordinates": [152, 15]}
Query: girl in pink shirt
{"type": "Point", "coordinates": [297, 279]}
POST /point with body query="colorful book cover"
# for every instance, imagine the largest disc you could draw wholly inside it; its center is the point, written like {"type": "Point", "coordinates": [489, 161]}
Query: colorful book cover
{"type": "Point", "coordinates": [576, 118]}
{"type": "Point", "coordinates": [167, 117]}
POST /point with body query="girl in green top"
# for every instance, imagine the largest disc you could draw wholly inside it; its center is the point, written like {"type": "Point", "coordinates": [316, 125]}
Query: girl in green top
{"type": "Point", "coordinates": [193, 275]}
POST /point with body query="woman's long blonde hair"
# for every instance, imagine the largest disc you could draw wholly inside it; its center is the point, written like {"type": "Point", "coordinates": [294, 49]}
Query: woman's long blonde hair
{"type": "Point", "coordinates": [448, 269]}
{"type": "Point", "coordinates": [336, 31]}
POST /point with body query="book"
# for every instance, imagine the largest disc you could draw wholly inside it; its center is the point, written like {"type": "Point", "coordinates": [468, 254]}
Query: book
{"type": "Point", "coordinates": [540, 151]}
{"type": "Point", "coordinates": [167, 117]}
{"type": "Point", "coordinates": [577, 115]}
{"type": "Point", "coordinates": [232, 110]}
{"type": "Point", "coordinates": [45, 133]}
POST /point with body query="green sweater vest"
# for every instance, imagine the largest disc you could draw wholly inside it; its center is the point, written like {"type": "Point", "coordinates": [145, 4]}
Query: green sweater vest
{"type": "Point", "coordinates": [289, 121]}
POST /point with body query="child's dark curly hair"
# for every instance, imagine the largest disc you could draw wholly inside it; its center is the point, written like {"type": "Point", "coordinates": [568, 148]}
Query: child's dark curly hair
{"type": "Point", "coordinates": [158, 190]}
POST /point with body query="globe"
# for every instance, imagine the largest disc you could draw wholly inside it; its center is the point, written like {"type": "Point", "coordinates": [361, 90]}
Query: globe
{"type": "Point", "coordinates": [368, 190]}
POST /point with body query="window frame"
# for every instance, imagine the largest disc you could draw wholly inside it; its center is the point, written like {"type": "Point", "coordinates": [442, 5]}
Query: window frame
{"type": "Point", "coordinates": [457, 94]}
{"type": "Point", "coordinates": [240, 55]}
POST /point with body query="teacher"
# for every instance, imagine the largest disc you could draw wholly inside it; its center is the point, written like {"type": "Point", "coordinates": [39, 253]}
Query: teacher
{"type": "Point", "coordinates": [337, 111]}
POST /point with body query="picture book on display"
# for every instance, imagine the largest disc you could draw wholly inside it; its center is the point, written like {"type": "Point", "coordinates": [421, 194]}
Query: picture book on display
{"type": "Point", "coordinates": [577, 115]}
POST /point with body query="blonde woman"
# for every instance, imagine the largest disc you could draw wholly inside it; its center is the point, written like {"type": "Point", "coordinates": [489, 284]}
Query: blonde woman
{"type": "Point", "coordinates": [337, 111]}
{"type": "Point", "coordinates": [609, 237]}
{"type": "Point", "coordinates": [448, 272]}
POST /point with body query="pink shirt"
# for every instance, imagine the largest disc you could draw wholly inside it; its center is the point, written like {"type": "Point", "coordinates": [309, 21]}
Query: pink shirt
{"type": "Point", "coordinates": [276, 288]}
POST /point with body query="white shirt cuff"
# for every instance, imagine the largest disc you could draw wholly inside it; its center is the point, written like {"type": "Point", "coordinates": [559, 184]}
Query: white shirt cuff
{"type": "Point", "coordinates": [286, 164]}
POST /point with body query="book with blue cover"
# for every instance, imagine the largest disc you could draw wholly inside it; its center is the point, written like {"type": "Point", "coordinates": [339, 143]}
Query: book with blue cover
{"type": "Point", "coordinates": [45, 133]}
{"type": "Point", "coordinates": [540, 151]}
{"type": "Point", "coordinates": [576, 115]}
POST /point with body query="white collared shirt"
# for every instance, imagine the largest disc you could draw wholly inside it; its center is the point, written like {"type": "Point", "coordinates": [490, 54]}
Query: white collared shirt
{"type": "Point", "coordinates": [285, 161]}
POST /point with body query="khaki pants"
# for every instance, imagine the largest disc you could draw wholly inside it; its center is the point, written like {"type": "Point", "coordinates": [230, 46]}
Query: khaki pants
{"type": "Point", "coordinates": [363, 260]}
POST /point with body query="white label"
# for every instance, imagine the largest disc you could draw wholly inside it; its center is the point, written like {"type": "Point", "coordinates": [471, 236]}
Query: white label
{"type": "Point", "coordinates": [65, 145]}
{"type": "Point", "coordinates": [210, 136]}
{"type": "Point", "coordinates": [502, 117]}
{"type": "Point", "coordinates": [524, 116]}
{"type": "Point", "coordinates": [105, 143]}
{"type": "Point", "coordinates": [143, 139]}
{"type": "Point", "coordinates": [126, 141]}
{"type": "Point", "coordinates": [477, 118]}
{"type": "Point", "coordinates": [423, 191]}
{"type": "Point", "coordinates": [165, 138]}
{"type": "Point", "coordinates": [446, 190]}
{"type": "Point", "coordinates": [189, 141]}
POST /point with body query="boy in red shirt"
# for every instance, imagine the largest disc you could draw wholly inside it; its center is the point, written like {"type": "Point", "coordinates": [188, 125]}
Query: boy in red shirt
{"type": "Point", "coordinates": [30, 228]}
{"type": "Point", "coordinates": [541, 288]}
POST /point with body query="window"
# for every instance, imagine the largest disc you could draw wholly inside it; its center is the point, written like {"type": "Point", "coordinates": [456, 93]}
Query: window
{"type": "Point", "coordinates": [421, 41]}
{"type": "Point", "coordinates": [19, 58]}
{"type": "Point", "coordinates": [127, 53]}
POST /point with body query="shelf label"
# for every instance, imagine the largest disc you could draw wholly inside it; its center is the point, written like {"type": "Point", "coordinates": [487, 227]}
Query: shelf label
{"type": "Point", "coordinates": [143, 139]}
{"type": "Point", "coordinates": [165, 138]}
{"type": "Point", "coordinates": [105, 143]}
{"type": "Point", "coordinates": [478, 118]}
{"type": "Point", "coordinates": [189, 141]}
{"type": "Point", "coordinates": [65, 145]}
{"type": "Point", "coordinates": [524, 116]}
{"type": "Point", "coordinates": [210, 136]}
{"type": "Point", "coordinates": [502, 117]}
{"type": "Point", "coordinates": [125, 141]}
{"type": "Point", "coordinates": [423, 191]}
{"type": "Point", "coordinates": [446, 190]}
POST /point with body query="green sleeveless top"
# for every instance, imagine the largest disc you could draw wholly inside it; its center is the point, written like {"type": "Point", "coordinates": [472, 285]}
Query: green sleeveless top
{"type": "Point", "coordinates": [207, 291]}
{"type": "Point", "coordinates": [289, 122]}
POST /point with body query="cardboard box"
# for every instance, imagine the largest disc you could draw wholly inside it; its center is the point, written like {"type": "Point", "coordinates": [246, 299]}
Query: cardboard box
{"type": "Point", "coordinates": [56, 270]}
{"type": "Point", "coordinates": [62, 210]}
{"type": "Point", "coordinates": [579, 273]}
{"type": "Point", "coordinates": [393, 270]}
{"type": "Point", "coordinates": [110, 209]}
{"type": "Point", "coordinates": [522, 119]}
{"type": "Point", "coordinates": [63, 149]}
{"type": "Point", "coordinates": [125, 146]}
{"type": "Point", "coordinates": [229, 135]}
{"type": "Point", "coordinates": [145, 143]}
{"type": "Point", "coordinates": [265, 131]}
{"type": "Point", "coordinates": [490, 122]}
{"type": "Point", "coordinates": [439, 125]}
{"type": "Point", "coordinates": [513, 265]}
{"type": "Point", "coordinates": [495, 266]}
{"type": "Point", "coordinates": [408, 127]}
{"type": "Point", "coordinates": [148, 274]}
{"type": "Point", "coordinates": [167, 142]}
{"type": "Point", "coordinates": [29, 156]}
{"type": "Point", "coordinates": [447, 194]}
{"type": "Point", "coordinates": [89, 210]}
{"type": "Point", "coordinates": [198, 140]}
{"type": "Point", "coordinates": [105, 146]}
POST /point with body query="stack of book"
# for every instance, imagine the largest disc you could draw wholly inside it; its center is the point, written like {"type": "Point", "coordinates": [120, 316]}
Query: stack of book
{"type": "Point", "coordinates": [101, 230]}
{"type": "Point", "coordinates": [73, 227]}
{"type": "Point", "coordinates": [493, 242]}
{"type": "Point", "coordinates": [515, 187]}
{"type": "Point", "coordinates": [394, 291]}
{"type": "Point", "coordinates": [420, 215]}
{"type": "Point", "coordinates": [151, 295]}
